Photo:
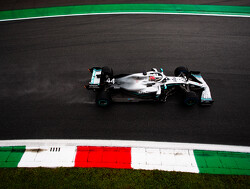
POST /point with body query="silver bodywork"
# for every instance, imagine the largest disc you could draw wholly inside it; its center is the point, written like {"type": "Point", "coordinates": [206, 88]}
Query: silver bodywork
{"type": "Point", "coordinates": [153, 84]}
{"type": "Point", "coordinates": [143, 84]}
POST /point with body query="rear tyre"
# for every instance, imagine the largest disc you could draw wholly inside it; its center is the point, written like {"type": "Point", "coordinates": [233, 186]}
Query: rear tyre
{"type": "Point", "coordinates": [180, 70]}
{"type": "Point", "coordinates": [107, 72]}
{"type": "Point", "coordinates": [191, 98]}
{"type": "Point", "coordinates": [103, 99]}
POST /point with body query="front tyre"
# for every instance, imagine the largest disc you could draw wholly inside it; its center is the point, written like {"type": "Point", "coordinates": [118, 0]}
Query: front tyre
{"type": "Point", "coordinates": [191, 98]}
{"type": "Point", "coordinates": [103, 99]}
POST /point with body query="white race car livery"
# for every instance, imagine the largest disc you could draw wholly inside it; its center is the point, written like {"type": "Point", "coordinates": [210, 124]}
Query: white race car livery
{"type": "Point", "coordinates": [153, 85]}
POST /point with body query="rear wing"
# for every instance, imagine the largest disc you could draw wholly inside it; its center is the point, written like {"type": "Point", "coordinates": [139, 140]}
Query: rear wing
{"type": "Point", "coordinates": [96, 76]}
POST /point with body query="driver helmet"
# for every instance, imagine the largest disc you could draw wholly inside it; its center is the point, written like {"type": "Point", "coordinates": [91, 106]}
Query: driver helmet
{"type": "Point", "coordinates": [152, 78]}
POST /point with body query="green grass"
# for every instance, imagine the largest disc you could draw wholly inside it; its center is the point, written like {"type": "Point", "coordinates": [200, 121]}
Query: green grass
{"type": "Point", "coordinates": [114, 178]}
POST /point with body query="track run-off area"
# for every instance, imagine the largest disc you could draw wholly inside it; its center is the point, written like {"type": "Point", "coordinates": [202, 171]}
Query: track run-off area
{"type": "Point", "coordinates": [44, 62]}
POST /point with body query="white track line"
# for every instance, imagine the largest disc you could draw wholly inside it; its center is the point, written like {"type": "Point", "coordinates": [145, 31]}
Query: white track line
{"type": "Point", "coordinates": [127, 143]}
{"type": "Point", "coordinates": [154, 13]}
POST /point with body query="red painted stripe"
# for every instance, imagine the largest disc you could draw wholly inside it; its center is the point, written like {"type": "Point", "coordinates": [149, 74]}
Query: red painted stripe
{"type": "Point", "coordinates": [109, 157]}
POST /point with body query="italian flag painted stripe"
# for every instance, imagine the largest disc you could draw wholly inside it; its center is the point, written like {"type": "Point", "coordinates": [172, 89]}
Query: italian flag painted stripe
{"type": "Point", "coordinates": [10, 156]}
{"type": "Point", "coordinates": [166, 159]}
{"type": "Point", "coordinates": [109, 157]}
{"type": "Point", "coordinates": [219, 162]}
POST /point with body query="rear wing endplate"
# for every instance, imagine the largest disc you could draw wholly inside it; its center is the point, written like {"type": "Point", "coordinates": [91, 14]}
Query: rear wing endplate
{"type": "Point", "coordinates": [95, 78]}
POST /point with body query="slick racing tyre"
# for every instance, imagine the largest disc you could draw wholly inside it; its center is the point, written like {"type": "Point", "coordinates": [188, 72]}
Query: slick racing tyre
{"type": "Point", "coordinates": [180, 70]}
{"type": "Point", "coordinates": [107, 72]}
{"type": "Point", "coordinates": [191, 98]}
{"type": "Point", "coordinates": [103, 99]}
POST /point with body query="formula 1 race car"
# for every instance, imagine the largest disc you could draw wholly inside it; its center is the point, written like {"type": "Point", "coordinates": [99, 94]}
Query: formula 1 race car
{"type": "Point", "coordinates": [148, 86]}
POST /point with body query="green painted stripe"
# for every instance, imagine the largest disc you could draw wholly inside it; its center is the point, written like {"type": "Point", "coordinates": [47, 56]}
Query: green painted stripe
{"type": "Point", "coordinates": [10, 156]}
{"type": "Point", "coordinates": [215, 162]}
{"type": "Point", "coordinates": [124, 8]}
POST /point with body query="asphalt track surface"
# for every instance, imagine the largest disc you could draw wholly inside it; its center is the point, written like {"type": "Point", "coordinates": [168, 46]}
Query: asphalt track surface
{"type": "Point", "coordinates": [44, 62]}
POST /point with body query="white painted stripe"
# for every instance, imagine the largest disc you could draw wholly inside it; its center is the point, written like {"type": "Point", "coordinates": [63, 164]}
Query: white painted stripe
{"type": "Point", "coordinates": [51, 156]}
{"type": "Point", "coordinates": [127, 143]}
{"type": "Point", "coordinates": [163, 159]}
{"type": "Point", "coordinates": [154, 13]}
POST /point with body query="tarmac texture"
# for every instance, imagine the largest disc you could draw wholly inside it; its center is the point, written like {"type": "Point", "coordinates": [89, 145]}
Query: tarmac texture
{"type": "Point", "coordinates": [44, 62]}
